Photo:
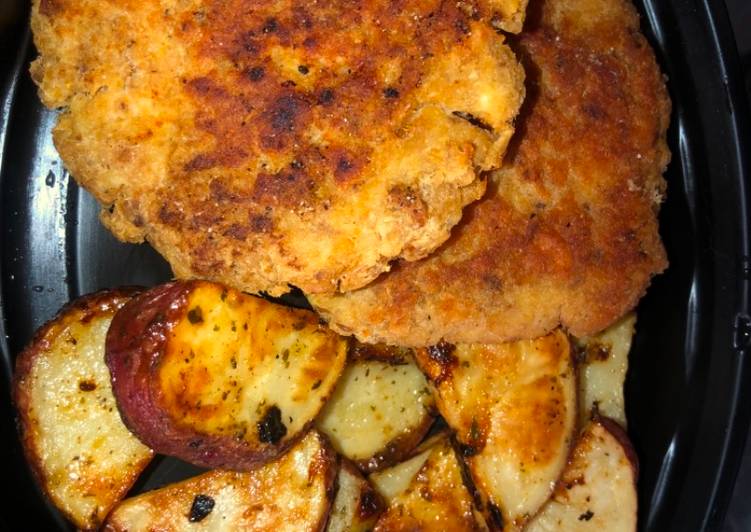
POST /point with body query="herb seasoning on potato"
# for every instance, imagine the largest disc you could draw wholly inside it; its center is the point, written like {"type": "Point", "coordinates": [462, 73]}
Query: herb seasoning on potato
{"type": "Point", "coordinates": [217, 377]}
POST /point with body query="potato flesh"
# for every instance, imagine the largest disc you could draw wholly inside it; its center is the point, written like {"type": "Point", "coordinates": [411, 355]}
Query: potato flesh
{"type": "Point", "coordinates": [221, 374]}
{"type": "Point", "coordinates": [597, 490]}
{"type": "Point", "coordinates": [394, 480]}
{"type": "Point", "coordinates": [597, 376]}
{"type": "Point", "coordinates": [86, 457]}
{"type": "Point", "coordinates": [291, 493]}
{"type": "Point", "coordinates": [436, 498]}
{"type": "Point", "coordinates": [514, 407]}
{"type": "Point", "coordinates": [378, 412]}
{"type": "Point", "coordinates": [602, 371]}
{"type": "Point", "coordinates": [357, 505]}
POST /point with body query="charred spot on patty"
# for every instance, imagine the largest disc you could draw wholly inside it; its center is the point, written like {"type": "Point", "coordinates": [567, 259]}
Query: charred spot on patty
{"type": "Point", "coordinates": [237, 231]}
{"type": "Point", "coordinates": [260, 223]}
{"type": "Point", "coordinates": [326, 97]}
{"type": "Point", "coordinates": [475, 121]}
{"type": "Point", "coordinates": [288, 189]}
{"type": "Point", "coordinates": [255, 74]}
{"type": "Point", "coordinates": [285, 112]}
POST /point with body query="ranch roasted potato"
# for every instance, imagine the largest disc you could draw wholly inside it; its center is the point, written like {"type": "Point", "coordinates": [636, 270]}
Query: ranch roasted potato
{"type": "Point", "coordinates": [392, 481]}
{"type": "Point", "coordinates": [513, 407]}
{"type": "Point", "coordinates": [379, 411]}
{"type": "Point", "coordinates": [292, 493]}
{"type": "Point", "coordinates": [602, 371]}
{"type": "Point", "coordinates": [357, 504]}
{"type": "Point", "coordinates": [82, 455]}
{"type": "Point", "coordinates": [217, 377]}
{"type": "Point", "coordinates": [435, 499]}
{"type": "Point", "coordinates": [597, 490]}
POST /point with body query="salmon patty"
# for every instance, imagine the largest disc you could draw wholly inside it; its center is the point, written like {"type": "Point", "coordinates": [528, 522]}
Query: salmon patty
{"type": "Point", "coordinates": [268, 144]}
{"type": "Point", "coordinates": [568, 232]}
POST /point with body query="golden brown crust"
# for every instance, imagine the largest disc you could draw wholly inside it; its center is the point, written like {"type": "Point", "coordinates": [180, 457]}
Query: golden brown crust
{"type": "Point", "coordinates": [568, 232]}
{"type": "Point", "coordinates": [265, 144]}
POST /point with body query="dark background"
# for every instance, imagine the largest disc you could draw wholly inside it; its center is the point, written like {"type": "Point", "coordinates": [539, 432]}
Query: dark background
{"type": "Point", "coordinates": [739, 514]}
{"type": "Point", "coordinates": [740, 18]}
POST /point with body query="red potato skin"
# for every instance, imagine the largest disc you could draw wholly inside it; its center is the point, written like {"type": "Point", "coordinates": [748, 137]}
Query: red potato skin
{"type": "Point", "coordinates": [90, 305]}
{"type": "Point", "coordinates": [136, 342]}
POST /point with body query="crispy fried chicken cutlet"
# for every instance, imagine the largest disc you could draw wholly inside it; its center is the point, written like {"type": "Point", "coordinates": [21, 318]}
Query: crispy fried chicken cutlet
{"type": "Point", "coordinates": [568, 231]}
{"type": "Point", "coordinates": [263, 144]}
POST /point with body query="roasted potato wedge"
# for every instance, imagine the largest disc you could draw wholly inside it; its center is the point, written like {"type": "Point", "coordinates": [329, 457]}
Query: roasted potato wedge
{"type": "Point", "coordinates": [83, 456]}
{"type": "Point", "coordinates": [602, 371]}
{"type": "Point", "coordinates": [379, 412]}
{"type": "Point", "coordinates": [392, 481]}
{"type": "Point", "coordinates": [291, 493]}
{"type": "Point", "coordinates": [597, 490]}
{"type": "Point", "coordinates": [217, 377]}
{"type": "Point", "coordinates": [513, 407]}
{"type": "Point", "coordinates": [357, 504]}
{"type": "Point", "coordinates": [436, 498]}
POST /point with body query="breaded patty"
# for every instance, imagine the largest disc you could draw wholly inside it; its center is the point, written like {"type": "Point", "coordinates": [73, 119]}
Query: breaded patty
{"type": "Point", "coordinates": [263, 144]}
{"type": "Point", "coordinates": [568, 231]}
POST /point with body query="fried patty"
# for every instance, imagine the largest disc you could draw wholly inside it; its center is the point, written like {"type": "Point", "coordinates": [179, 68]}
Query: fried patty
{"type": "Point", "coordinates": [263, 144]}
{"type": "Point", "coordinates": [568, 232]}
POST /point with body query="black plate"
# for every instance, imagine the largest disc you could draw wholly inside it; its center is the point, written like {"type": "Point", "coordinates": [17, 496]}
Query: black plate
{"type": "Point", "coordinates": [687, 403]}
